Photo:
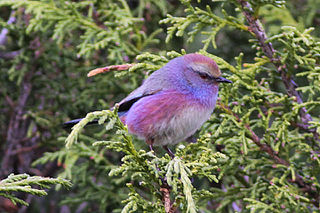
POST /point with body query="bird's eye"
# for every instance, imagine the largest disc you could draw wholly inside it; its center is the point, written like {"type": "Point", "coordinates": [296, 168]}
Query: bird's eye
{"type": "Point", "coordinates": [204, 75]}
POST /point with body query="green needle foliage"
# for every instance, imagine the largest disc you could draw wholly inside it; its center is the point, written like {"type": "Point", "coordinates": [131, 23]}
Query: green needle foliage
{"type": "Point", "coordinates": [117, 28]}
{"type": "Point", "coordinates": [259, 151]}
{"type": "Point", "coordinates": [151, 171]}
{"type": "Point", "coordinates": [24, 183]}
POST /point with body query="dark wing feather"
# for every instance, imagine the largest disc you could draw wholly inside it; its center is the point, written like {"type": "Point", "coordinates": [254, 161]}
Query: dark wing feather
{"type": "Point", "coordinates": [126, 105]}
{"type": "Point", "coordinates": [70, 124]}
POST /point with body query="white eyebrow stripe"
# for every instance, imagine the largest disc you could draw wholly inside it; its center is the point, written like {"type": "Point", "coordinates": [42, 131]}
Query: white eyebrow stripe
{"type": "Point", "coordinates": [200, 67]}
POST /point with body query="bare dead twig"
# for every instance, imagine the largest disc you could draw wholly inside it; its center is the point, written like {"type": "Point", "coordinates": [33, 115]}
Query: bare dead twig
{"type": "Point", "coordinates": [109, 69]}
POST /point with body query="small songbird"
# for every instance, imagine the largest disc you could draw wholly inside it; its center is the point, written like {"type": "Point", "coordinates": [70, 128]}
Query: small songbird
{"type": "Point", "coordinates": [173, 102]}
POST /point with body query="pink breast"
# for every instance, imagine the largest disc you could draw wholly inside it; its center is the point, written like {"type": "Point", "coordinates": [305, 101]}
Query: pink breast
{"type": "Point", "coordinates": [145, 115]}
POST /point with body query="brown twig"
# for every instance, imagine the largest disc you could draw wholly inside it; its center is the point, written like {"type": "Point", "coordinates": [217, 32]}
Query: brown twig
{"type": "Point", "coordinates": [257, 29]}
{"type": "Point", "coordinates": [9, 101]}
{"type": "Point", "coordinates": [109, 69]}
{"type": "Point", "coordinates": [166, 197]}
{"type": "Point", "coordinates": [165, 190]}
{"type": "Point", "coordinates": [24, 149]}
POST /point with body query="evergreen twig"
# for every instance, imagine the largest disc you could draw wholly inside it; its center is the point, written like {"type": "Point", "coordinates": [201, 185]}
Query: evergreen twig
{"type": "Point", "coordinates": [305, 187]}
{"type": "Point", "coordinates": [290, 84]}
{"type": "Point", "coordinates": [23, 183]}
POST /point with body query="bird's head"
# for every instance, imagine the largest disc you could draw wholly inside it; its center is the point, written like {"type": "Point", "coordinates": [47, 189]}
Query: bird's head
{"type": "Point", "coordinates": [203, 69]}
{"type": "Point", "coordinates": [193, 72]}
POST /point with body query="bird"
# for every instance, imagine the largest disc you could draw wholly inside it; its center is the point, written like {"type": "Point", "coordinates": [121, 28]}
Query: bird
{"type": "Point", "coordinates": [173, 102]}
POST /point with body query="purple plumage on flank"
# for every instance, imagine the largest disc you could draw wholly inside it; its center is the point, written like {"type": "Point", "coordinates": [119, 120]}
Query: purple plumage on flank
{"type": "Point", "coordinates": [174, 101]}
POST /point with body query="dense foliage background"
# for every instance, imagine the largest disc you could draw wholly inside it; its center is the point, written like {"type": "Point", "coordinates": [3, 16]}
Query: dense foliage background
{"type": "Point", "coordinates": [259, 152]}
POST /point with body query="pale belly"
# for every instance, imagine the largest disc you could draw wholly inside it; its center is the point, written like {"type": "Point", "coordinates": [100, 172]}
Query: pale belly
{"type": "Point", "coordinates": [179, 127]}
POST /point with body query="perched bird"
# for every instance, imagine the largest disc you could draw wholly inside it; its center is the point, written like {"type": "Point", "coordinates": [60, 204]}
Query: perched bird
{"type": "Point", "coordinates": [173, 102]}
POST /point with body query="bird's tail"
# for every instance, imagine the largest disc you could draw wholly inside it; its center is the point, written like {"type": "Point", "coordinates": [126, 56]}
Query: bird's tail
{"type": "Point", "coordinates": [70, 124]}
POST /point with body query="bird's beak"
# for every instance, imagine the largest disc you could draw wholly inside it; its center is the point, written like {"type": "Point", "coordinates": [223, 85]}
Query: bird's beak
{"type": "Point", "coordinates": [223, 80]}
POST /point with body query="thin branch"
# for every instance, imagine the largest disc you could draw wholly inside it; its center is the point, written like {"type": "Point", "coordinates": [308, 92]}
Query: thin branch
{"type": "Point", "coordinates": [24, 149]}
{"type": "Point", "coordinates": [165, 190]}
{"type": "Point", "coordinates": [109, 69]}
{"type": "Point", "coordinates": [9, 101]}
{"type": "Point", "coordinates": [166, 197]}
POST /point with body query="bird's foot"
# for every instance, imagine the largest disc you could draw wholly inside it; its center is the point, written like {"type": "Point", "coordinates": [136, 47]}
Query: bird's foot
{"type": "Point", "coordinates": [171, 154]}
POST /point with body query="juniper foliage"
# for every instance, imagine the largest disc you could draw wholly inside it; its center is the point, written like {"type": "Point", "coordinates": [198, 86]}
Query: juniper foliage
{"type": "Point", "coordinates": [24, 183]}
{"type": "Point", "coordinates": [259, 152]}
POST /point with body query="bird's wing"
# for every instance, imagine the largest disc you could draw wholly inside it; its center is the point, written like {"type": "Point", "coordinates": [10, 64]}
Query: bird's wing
{"type": "Point", "coordinates": [126, 103]}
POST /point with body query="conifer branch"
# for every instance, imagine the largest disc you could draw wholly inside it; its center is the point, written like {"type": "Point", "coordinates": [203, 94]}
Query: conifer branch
{"type": "Point", "coordinates": [305, 187]}
{"type": "Point", "coordinates": [24, 182]}
{"type": "Point", "coordinates": [269, 162]}
{"type": "Point", "coordinates": [269, 51]}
